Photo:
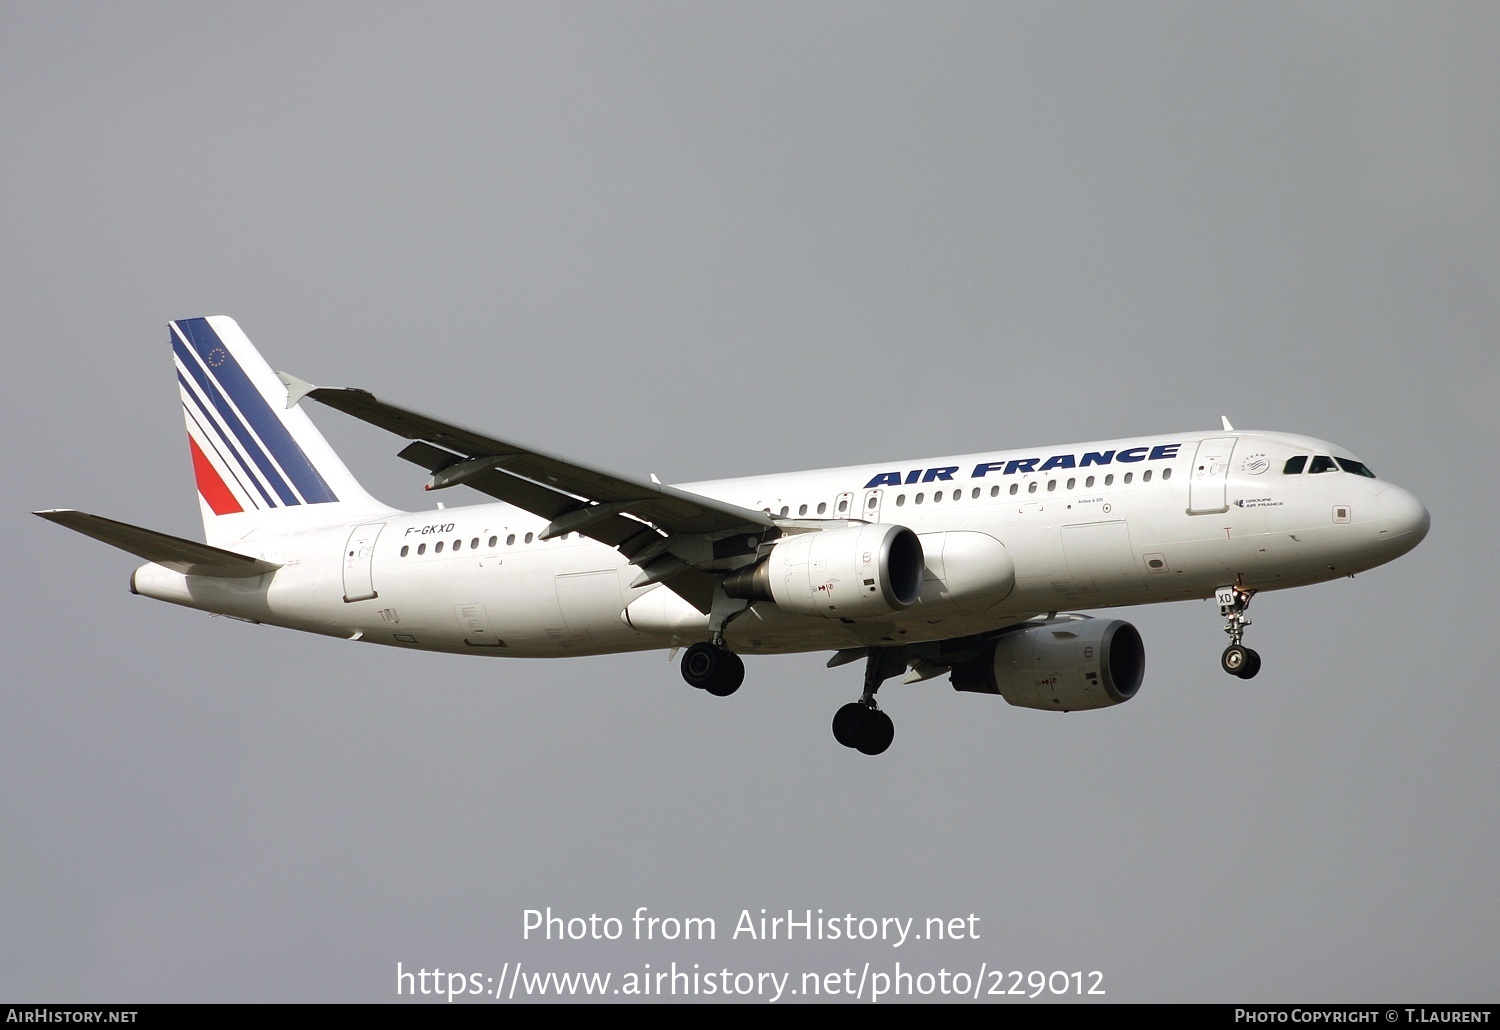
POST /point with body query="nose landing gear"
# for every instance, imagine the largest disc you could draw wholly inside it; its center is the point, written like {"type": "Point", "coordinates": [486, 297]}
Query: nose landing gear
{"type": "Point", "coordinates": [1237, 660]}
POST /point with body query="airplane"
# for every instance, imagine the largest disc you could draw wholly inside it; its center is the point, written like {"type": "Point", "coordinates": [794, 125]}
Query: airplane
{"type": "Point", "coordinates": [961, 565]}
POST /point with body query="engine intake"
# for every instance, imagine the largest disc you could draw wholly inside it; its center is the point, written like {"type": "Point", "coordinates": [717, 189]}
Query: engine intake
{"type": "Point", "coordinates": [858, 572]}
{"type": "Point", "coordinates": [1066, 664]}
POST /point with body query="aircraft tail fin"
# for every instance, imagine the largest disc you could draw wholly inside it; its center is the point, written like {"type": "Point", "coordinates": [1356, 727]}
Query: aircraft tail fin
{"type": "Point", "coordinates": [258, 462]}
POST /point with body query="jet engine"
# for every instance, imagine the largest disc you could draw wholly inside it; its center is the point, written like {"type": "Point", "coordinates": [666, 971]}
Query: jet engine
{"type": "Point", "coordinates": [858, 572]}
{"type": "Point", "coordinates": [1065, 664]}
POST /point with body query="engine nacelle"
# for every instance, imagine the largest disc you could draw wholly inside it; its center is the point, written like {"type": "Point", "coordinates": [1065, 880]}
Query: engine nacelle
{"type": "Point", "coordinates": [859, 572]}
{"type": "Point", "coordinates": [1066, 664]}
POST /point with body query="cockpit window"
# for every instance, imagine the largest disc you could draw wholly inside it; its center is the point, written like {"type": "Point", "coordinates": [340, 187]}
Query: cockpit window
{"type": "Point", "coordinates": [1323, 463]}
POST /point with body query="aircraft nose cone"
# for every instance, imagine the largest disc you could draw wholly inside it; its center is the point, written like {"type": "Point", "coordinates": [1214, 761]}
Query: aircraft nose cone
{"type": "Point", "coordinates": [1400, 518]}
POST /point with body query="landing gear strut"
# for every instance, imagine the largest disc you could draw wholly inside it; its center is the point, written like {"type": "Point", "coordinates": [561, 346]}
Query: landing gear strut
{"type": "Point", "coordinates": [861, 724]}
{"type": "Point", "coordinates": [1237, 660]}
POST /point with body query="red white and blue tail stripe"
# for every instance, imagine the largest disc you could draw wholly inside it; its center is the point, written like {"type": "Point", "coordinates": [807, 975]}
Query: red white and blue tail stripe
{"type": "Point", "coordinates": [252, 455]}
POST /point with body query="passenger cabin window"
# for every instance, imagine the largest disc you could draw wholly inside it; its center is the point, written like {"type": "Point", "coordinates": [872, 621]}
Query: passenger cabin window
{"type": "Point", "coordinates": [1294, 466]}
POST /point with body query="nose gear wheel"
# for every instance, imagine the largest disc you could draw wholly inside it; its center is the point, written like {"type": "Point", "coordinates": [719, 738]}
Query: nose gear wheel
{"type": "Point", "coordinates": [1240, 661]}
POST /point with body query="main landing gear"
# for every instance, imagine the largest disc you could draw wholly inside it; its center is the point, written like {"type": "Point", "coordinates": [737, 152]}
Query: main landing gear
{"type": "Point", "coordinates": [710, 665]}
{"type": "Point", "coordinates": [713, 668]}
{"type": "Point", "coordinates": [864, 727]}
{"type": "Point", "coordinates": [861, 724]}
{"type": "Point", "coordinates": [1237, 660]}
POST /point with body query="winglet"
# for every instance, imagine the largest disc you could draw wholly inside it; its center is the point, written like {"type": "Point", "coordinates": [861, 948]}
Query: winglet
{"type": "Point", "coordinates": [1227, 427]}
{"type": "Point", "coordinates": [296, 389]}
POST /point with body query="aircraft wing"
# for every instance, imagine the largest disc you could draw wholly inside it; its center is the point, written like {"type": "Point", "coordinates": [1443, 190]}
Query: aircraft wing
{"type": "Point", "coordinates": [675, 537]}
{"type": "Point", "coordinates": [188, 557]}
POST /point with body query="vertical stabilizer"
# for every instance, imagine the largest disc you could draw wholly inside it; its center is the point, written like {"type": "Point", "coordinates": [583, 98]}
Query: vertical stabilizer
{"type": "Point", "coordinates": [259, 464]}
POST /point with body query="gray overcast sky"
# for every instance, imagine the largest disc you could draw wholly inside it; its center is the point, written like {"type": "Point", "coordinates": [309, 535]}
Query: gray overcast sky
{"type": "Point", "coordinates": [710, 240]}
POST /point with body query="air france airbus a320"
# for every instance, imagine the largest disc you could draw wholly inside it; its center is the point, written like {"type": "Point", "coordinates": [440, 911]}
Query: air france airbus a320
{"type": "Point", "coordinates": [956, 565]}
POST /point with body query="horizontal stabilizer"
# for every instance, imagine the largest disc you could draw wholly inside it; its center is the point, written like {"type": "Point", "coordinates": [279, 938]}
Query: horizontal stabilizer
{"type": "Point", "coordinates": [173, 552]}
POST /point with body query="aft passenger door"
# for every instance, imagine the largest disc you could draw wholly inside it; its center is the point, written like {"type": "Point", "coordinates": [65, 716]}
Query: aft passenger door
{"type": "Point", "coordinates": [359, 557]}
{"type": "Point", "coordinates": [1209, 484]}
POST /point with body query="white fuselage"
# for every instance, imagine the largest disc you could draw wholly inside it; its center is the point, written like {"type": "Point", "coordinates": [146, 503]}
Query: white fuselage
{"type": "Point", "coordinates": [1006, 536]}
